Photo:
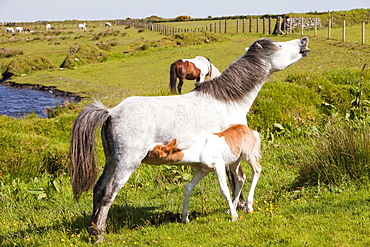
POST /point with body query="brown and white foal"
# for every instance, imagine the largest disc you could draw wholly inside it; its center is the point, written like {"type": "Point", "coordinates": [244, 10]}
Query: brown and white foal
{"type": "Point", "coordinates": [213, 153]}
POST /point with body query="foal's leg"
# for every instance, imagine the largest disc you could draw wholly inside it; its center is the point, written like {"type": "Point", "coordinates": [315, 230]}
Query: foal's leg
{"type": "Point", "coordinates": [221, 175]}
{"type": "Point", "coordinates": [256, 171]}
{"type": "Point", "coordinates": [238, 178]}
{"type": "Point", "coordinates": [197, 177]}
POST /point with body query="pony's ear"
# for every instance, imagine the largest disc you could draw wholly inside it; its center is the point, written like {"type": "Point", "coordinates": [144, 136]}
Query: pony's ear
{"type": "Point", "coordinates": [258, 46]}
{"type": "Point", "coordinates": [172, 143]}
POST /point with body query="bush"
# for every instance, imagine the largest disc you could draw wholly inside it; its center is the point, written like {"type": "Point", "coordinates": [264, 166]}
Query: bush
{"type": "Point", "coordinates": [7, 52]}
{"type": "Point", "coordinates": [32, 146]}
{"type": "Point", "coordinates": [336, 88]}
{"type": "Point", "coordinates": [283, 107]}
{"type": "Point", "coordinates": [341, 153]}
{"type": "Point", "coordinates": [197, 38]}
{"type": "Point", "coordinates": [26, 65]}
{"type": "Point", "coordinates": [83, 54]}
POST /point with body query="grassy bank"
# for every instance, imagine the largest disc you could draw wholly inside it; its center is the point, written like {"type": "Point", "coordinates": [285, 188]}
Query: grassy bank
{"type": "Point", "coordinates": [311, 101]}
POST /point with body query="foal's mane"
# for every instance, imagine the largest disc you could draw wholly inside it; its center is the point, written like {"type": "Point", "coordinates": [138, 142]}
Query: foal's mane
{"type": "Point", "coordinates": [242, 75]}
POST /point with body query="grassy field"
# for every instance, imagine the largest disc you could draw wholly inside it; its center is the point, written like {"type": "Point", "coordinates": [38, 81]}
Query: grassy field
{"type": "Point", "coordinates": [305, 197]}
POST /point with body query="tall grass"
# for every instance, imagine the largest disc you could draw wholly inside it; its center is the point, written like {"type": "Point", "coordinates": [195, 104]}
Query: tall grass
{"type": "Point", "coordinates": [338, 155]}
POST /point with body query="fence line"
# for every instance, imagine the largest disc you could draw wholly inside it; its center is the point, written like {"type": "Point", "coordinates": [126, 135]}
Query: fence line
{"type": "Point", "coordinates": [265, 25]}
{"type": "Point", "coordinates": [271, 26]}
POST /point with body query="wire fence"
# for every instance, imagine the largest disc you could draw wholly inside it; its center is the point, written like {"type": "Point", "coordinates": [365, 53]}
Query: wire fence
{"type": "Point", "coordinates": [270, 26]}
{"type": "Point", "coordinates": [266, 25]}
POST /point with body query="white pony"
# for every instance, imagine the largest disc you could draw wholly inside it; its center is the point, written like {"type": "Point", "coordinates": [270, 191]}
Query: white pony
{"type": "Point", "coordinates": [9, 30]}
{"type": "Point", "coordinates": [191, 69]}
{"type": "Point", "coordinates": [48, 27]}
{"type": "Point", "coordinates": [213, 152]}
{"type": "Point", "coordinates": [19, 29]}
{"type": "Point", "coordinates": [82, 26]}
{"type": "Point", "coordinates": [132, 128]}
{"type": "Point", "coordinates": [108, 25]}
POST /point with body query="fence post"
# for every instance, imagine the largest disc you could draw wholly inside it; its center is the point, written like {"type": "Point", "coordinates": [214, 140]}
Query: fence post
{"type": "Point", "coordinates": [264, 25]}
{"type": "Point", "coordinates": [257, 26]}
{"type": "Point", "coordinates": [302, 26]}
{"type": "Point", "coordinates": [220, 26]}
{"type": "Point", "coordinates": [237, 25]}
{"type": "Point", "coordinates": [270, 25]}
{"type": "Point", "coordinates": [344, 31]}
{"type": "Point", "coordinates": [243, 25]}
{"type": "Point", "coordinates": [363, 33]}
{"type": "Point", "coordinates": [329, 28]}
{"type": "Point", "coordinates": [225, 31]}
{"type": "Point", "coordinates": [315, 30]}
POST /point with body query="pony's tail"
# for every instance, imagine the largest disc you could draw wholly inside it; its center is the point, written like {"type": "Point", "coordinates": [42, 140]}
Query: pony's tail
{"type": "Point", "coordinates": [173, 77]}
{"type": "Point", "coordinates": [257, 146]}
{"type": "Point", "coordinates": [83, 169]}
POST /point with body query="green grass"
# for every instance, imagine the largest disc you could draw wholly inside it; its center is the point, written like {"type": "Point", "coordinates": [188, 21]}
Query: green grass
{"type": "Point", "coordinates": [36, 197]}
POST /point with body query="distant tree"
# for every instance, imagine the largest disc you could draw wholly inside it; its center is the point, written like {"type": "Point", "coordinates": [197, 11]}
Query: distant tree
{"type": "Point", "coordinates": [154, 17]}
{"type": "Point", "coordinates": [182, 18]}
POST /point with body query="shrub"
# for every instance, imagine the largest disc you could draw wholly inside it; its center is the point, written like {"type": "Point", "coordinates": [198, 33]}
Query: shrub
{"type": "Point", "coordinates": [26, 65]}
{"type": "Point", "coordinates": [337, 88]}
{"type": "Point", "coordinates": [182, 18]}
{"type": "Point", "coordinates": [83, 54]}
{"type": "Point", "coordinates": [339, 154]}
{"type": "Point", "coordinates": [197, 38]}
{"type": "Point", "coordinates": [106, 45]}
{"type": "Point", "coordinates": [283, 107]}
{"type": "Point", "coordinates": [7, 52]}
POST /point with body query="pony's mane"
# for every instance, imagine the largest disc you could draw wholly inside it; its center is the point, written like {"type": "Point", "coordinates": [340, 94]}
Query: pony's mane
{"type": "Point", "coordinates": [242, 75]}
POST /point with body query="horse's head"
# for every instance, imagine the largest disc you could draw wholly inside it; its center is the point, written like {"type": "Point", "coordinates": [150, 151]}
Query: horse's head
{"type": "Point", "coordinates": [280, 55]}
{"type": "Point", "coordinates": [162, 151]}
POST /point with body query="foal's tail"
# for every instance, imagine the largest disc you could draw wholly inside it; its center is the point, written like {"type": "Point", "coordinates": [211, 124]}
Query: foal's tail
{"type": "Point", "coordinates": [83, 147]}
{"type": "Point", "coordinates": [173, 77]}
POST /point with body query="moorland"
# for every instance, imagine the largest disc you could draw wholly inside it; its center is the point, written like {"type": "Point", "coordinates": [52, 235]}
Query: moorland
{"type": "Point", "coordinates": [313, 117]}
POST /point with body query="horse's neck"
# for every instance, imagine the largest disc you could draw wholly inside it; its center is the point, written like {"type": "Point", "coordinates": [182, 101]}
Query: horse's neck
{"type": "Point", "coordinates": [250, 97]}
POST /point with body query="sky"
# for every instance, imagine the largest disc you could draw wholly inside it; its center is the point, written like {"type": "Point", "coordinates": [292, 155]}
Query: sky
{"type": "Point", "coordinates": [60, 10]}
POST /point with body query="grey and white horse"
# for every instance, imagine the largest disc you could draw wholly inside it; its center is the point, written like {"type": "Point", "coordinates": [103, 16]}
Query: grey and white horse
{"type": "Point", "coordinates": [133, 127]}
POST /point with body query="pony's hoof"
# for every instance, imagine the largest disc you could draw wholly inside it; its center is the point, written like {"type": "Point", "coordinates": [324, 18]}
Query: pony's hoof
{"type": "Point", "coordinates": [100, 239]}
{"type": "Point", "coordinates": [185, 220]}
{"type": "Point", "coordinates": [241, 206]}
{"type": "Point", "coordinates": [93, 229]}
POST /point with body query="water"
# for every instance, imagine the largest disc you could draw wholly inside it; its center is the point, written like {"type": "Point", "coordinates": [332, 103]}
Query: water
{"type": "Point", "coordinates": [19, 102]}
